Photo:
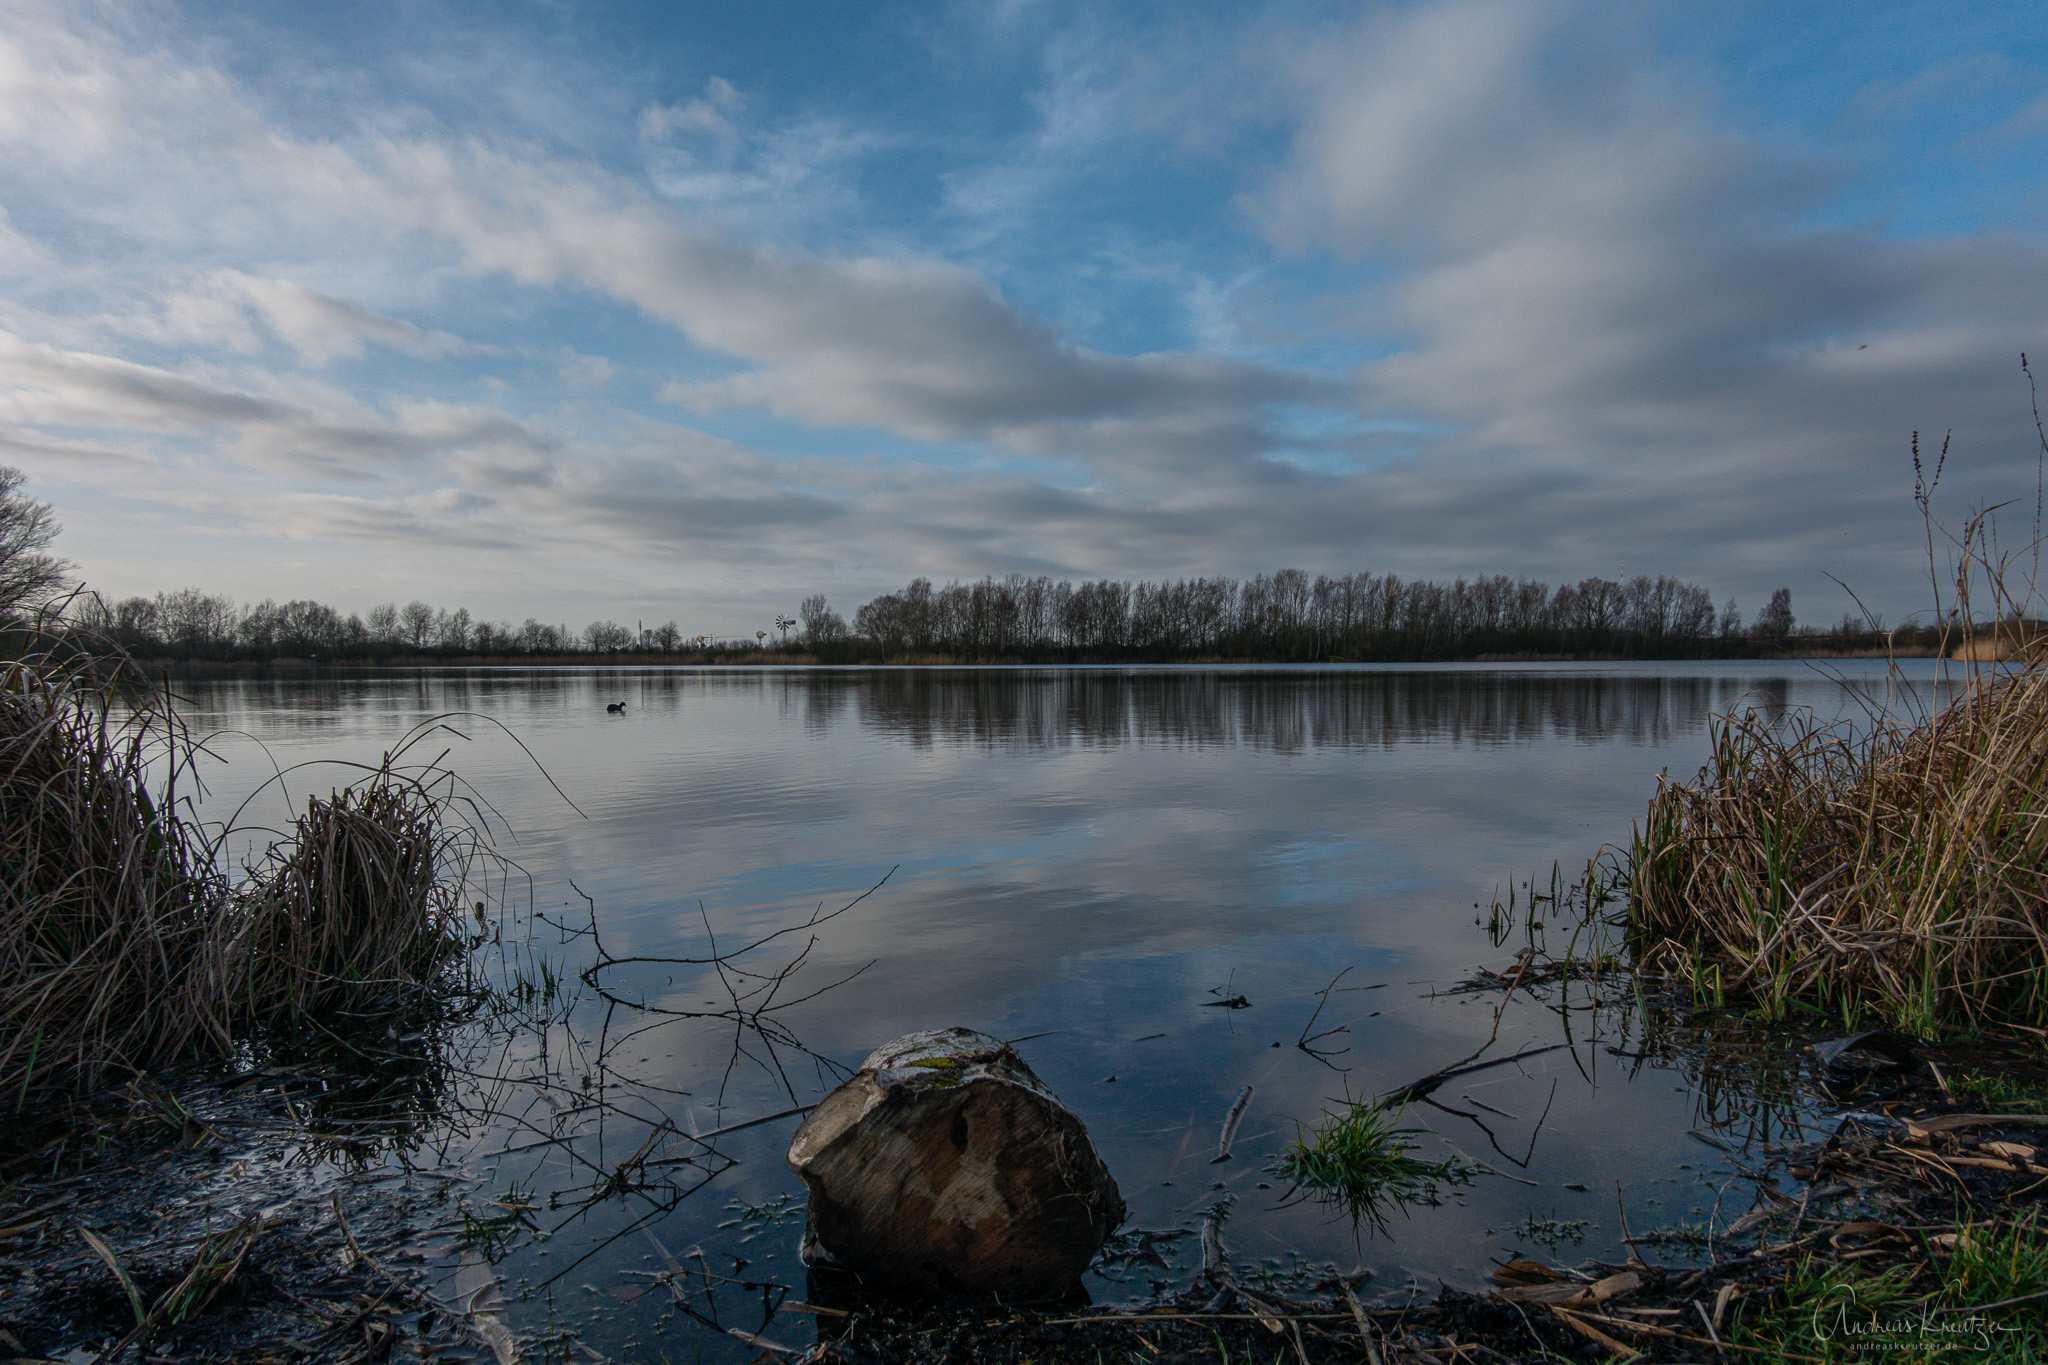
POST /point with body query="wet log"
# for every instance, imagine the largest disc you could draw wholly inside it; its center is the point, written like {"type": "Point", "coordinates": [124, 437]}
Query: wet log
{"type": "Point", "coordinates": [945, 1166]}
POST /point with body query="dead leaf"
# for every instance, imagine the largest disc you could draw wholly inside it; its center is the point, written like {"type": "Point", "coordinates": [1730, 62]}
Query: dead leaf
{"type": "Point", "coordinates": [1613, 1287]}
{"type": "Point", "coordinates": [483, 1305]}
{"type": "Point", "coordinates": [1748, 1221]}
{"type": "Point", "coordinates": [1587, 1329]}
{"type": "Point", "coordinates": [1950, 1121]}
{"type": "Point", "coordinates": [1721, 1300]}
{"type": "Point", "coordinates": [1864, 1230]}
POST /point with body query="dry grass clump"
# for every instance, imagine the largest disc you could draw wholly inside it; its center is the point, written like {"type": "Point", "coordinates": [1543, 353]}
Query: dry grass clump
{"type": "Point", "coordinates": [1902, 871]}
{"type": "Point", "coordinates": [123, 943]}
{"type": "Point", "coordinates": [353, 910]}
{"type": "Point", "coordinates": [103, 902]}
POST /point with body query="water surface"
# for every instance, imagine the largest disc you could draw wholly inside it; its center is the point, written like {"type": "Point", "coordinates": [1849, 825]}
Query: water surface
{"type": "Point", "coordinates": [1092, 856]}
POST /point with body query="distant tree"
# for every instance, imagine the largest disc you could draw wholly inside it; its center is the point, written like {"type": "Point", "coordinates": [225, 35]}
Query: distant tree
{"type": "Point", "coordinates": [1774, 622]}
{"type": "Point", "coordinates": [259, 627]}
{"type": "Point", "coordinates": [416, 624]}
{"type": "Point", "coordinates": [29, 578]}
{"type": "Point", "coordinates": [666, 637]}
{"type": "Point", "coordinates": [1731, 620]}
{"type": "Point", "coordinates": [196, 622]}
{"type": "Point", "coordinates": [136, 625]}
{"type": "Point", "coordinates": [606, 637]}
{"type": "Point", "coordinates": [453, 628]}
{"type": "Point", "coordinates": [383, 623]}
{"type": "Point", "coordinates": [306, 627]}
{"type": "Point", "coordinates": [821, 623]}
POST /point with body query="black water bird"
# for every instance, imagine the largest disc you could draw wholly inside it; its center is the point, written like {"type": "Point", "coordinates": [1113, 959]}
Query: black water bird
{"type": "Point", "coordinates": [617, 708]}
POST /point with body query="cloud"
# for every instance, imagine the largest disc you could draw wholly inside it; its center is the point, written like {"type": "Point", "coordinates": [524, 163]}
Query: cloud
{"type": "Point", "coordinates": [588, 371]}
{"type": "Point", "coordinates": [781, 179]}
{"type": "Point", "coordinates": [918, 347]}
{"type": "Point", "coordinates": [273, 425]}
{"type": "Point", "coordinates": [1626, 311]}
{"type": "Point", "coordinates": [710, 113]}
{"type": "Point", "coordinates": [231, 309]}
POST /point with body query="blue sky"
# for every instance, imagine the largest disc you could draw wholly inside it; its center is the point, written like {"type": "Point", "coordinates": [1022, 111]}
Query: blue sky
{"type": "Point", "coordinates": [653, 311]}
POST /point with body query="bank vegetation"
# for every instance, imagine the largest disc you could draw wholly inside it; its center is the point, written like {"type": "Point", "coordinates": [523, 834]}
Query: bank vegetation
{"type": "Point", "coordinates": [1287, 617]}
{"type": "Point", "coordinates": [127, 939]}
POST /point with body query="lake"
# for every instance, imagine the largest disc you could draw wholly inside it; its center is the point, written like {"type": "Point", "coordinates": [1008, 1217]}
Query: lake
{"type": "Point", "coordinates": [1090, 860]}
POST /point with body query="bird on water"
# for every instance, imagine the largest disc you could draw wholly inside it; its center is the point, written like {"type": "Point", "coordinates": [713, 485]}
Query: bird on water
{"type": "Point", "coordinates": [617, 708]}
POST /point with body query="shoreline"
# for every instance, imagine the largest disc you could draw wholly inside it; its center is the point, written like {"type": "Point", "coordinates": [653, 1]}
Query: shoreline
{"type": "Point", "coordinates": [236, 669]}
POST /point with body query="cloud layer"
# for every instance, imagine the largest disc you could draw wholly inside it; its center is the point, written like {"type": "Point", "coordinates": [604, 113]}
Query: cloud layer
{"type": "Point", "coordinates": [1481, 286]}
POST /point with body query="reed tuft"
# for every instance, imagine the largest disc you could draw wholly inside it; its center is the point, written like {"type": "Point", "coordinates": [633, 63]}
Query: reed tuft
{"type": "Point", "coordinates": [124, 945]}
{"type": "Point", "coordinates": [1900, 871]}
{"type": "Point", "coordinates": [353, 911]}
{"type": "Point", "coordinates": [102, 900]}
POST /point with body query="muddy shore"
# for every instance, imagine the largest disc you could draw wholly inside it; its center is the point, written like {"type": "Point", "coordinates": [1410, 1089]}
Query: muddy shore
{"type": "Point", "coordinates": [237, 1227]}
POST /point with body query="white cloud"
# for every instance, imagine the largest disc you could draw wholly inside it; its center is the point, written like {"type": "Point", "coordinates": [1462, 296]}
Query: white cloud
{"type": "Point", "coordinates": [232, 309]}
{"type": "Point", "coordinates": [918, 347]}
{"type": "Point", "coordinates": [709, 113]}
{"type": "Point", "coordinates": [587, 371]}
{"type": "Point", "coordinates": [1615, 304]}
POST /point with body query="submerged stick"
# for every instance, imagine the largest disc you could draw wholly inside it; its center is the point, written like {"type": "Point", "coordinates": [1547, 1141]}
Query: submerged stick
{"type": "Point", "coordinates": [1215, 1263]}
{"type": "Point", "coordinates": [1230, 1122]}
{"type": "Point", "coordinates": [1417, 1089]}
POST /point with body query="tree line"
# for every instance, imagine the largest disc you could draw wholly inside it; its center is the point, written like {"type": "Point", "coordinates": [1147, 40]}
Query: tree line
{"type": "Point", "coordinates": [1285, 616]}
{"type": "Point", "coordinates": [1288, 616]}
{"type": "Point", "coordinates": [193, 624]}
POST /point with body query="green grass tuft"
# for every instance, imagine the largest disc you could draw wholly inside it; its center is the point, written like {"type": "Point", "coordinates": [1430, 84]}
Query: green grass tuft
{"type": "Point", "coordinates": [1362, 1159]}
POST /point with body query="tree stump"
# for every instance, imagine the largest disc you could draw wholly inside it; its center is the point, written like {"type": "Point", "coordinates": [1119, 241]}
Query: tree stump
{"type": "Point", "coordinates": [945, 1166]}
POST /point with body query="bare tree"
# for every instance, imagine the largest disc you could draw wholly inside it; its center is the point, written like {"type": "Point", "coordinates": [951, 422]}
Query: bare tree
{"type": "Point", "coordinates": [1774, 622]}
{"type": "Point", "coordinates": [453, 628]}
{"type": "Point", "coordinates": [821, 623]}
{"type": "Point", "coordinates": [382, 623]}
{"type": "Point", "coordinates": [416, 623]}
{"type": "Point", "coordinates": [29, 578]}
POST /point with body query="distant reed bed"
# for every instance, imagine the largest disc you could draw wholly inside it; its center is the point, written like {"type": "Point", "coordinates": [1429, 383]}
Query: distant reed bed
{"type": "Point", "coordinates": [1899, 870]}
{"type": "Point", "coordinates": [124, 941]}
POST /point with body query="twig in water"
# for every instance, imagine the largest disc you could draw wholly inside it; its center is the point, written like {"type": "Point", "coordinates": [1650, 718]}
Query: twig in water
{"type": "Point", "coordinates": [1627, 1239]}
{"type": "Point", "coordinates": [1418, 1088]}
{"type": "Point", "coordinates": [1230, 1122]}
{"type": "Point", "coordinates": [1306, 1041]}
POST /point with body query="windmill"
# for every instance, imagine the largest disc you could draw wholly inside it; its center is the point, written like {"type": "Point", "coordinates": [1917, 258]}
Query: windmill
{"type": "Point", "coordinates": [783, 623]}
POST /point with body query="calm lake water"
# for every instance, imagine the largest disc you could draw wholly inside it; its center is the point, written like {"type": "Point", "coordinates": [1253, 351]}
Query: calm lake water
{"type": "Point", "coordinates": [1097, 856]}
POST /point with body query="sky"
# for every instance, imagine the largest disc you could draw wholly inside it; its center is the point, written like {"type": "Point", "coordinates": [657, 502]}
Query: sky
{"type": "Point", "coordinates": [690, 311]}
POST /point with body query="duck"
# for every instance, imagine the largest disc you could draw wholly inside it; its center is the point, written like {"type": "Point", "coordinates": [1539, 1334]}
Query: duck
{"type": "Point", "coordinates": [617, 708]}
